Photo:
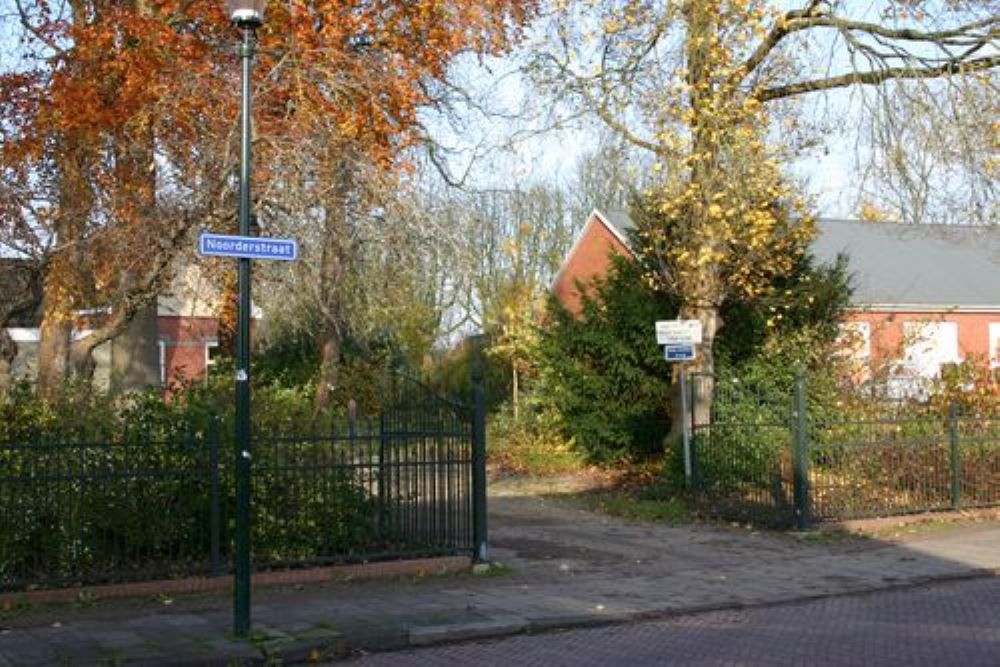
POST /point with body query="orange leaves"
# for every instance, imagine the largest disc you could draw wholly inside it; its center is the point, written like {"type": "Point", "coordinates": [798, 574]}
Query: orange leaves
{"type": "Point", "coordinates": [366, 63]}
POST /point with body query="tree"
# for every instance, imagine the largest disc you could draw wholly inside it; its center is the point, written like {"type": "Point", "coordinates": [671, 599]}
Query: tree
{"type": "Point", "coordinates": [127, 121]}
{"type": "Point", "coordinates": [346, 82]}
{"type": "Point", "coordinates": [519, 237]}
{"type": "Point", "coordinates": [930, 153]}
{"type": "Point", "coordinates": [708, 88]}
{"type": "Point", "coordinates": [114, 142]}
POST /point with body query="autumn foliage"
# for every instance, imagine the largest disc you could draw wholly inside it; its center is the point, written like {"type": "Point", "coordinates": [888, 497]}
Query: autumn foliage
{"type": "Point", "coordinates": [118, 126]}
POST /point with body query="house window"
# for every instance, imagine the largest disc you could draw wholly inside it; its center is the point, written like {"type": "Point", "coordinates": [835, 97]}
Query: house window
{"type": "Point", "coordinates": [212, 355]}
{"type": "Point", "coordinates": [928, 345]}
{"type": "Point", "coordinates": [994, 344]}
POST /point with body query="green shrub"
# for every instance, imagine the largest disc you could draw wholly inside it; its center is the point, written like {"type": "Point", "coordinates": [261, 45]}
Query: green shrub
{"type": "Point", "coordinates": [97, 487]}
{"type": "Point", "coordinates": [602, 375]}
{"type": "Point", "coordinates": [531, 444]}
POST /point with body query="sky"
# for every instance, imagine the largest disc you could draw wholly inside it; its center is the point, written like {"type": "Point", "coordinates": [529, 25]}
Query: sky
{"type": "Point", "coordinates": [514, 151]}
{"type": "Point", "coordinates": [523, 152]}
{"type": "Point", "coordinates": [829, 171]}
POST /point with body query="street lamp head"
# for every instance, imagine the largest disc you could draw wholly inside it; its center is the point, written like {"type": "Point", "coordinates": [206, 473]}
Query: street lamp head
{"type": "Point", "coordinates": [246, 13]}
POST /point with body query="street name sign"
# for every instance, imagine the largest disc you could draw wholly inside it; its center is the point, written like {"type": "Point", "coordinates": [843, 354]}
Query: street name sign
{"type": "Point", "coordinates": [678, 352]}
{"type": "Point", "coordinates": [249, 247]}
{"type": "Point", "coordinates": [678, 332]}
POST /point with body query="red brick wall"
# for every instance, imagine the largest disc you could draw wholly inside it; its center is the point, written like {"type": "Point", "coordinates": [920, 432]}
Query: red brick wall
{"type": "Point", "coordinates": [590, 257]}
{"type": "Point", "coordinates": [185, 339]}
{"type": "Point", "coordinates": [887, 331]}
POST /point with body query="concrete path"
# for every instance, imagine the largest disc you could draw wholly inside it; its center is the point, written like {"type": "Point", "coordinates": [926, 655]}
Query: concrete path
{"type": "Point", "coordinates": [561, 567]}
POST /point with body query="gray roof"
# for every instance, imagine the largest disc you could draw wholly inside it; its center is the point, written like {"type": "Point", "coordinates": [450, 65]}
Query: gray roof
{"type": "Point", "coordinates": [916, 265]}
{"type": "Point", "coordinates": [620, 220]}
{"type": "Point", "coordinates": [923, 266]}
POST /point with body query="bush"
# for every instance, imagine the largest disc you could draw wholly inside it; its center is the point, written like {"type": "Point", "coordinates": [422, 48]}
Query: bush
{"type": "Point", "coordinates": [602, 376]}
{"type": "Point", "coordinates": [98, 488]}
{"type": "Point", "coordinates": [531, 444]}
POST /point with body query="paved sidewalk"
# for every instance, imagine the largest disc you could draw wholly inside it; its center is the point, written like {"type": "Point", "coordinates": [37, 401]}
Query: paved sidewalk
{"type": "Point", "coordinates": [935, 625]}
{"type": "Point", "coordinates": [563, 567]}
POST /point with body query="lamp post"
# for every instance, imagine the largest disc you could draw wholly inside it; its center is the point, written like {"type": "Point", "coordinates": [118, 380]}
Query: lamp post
{"type": "Point", "coordinates": [247, 15]}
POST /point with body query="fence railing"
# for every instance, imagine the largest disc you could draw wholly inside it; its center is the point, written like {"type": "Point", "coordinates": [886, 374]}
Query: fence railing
{"type": "Point", "coordinates": [780, 466]}
{"type": "Point", "coordinates": [397, 484]}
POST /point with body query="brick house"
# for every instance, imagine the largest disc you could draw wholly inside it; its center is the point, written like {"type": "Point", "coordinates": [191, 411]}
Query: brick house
{"type": "Point", "coordinates": [924, 295]}
{"type": "Point", "coordinates": [186, 323]}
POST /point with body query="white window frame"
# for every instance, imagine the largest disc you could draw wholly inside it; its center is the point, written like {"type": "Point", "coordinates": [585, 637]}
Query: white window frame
{"type": "Point", "coordinates": [210, 345]}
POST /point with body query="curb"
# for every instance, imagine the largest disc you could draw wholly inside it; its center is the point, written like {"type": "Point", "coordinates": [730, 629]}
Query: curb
{"type": "Point", "coordinates": [330, 645]}
{"type": "Point", "coordinates": [337, 647]}
{"type": "Point", "coordinates": [193, 585]}
{"type": "Point", "coordinates": [508, 626]}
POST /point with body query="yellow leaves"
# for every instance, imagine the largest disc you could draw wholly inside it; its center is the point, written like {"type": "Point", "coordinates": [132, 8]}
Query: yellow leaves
{"type": "Point", "coordinates": [612, 26]}
{"type": "Point", "coordinates": [871, 212]}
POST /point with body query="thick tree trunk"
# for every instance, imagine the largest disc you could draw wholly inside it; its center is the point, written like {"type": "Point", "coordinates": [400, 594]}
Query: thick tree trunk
{"type": "Point", "coordinates": [702, 289]}
{"type": "Point", "coordinates": [53, 350]}
{"type": "Point", "coordinates": [331, 343]}
{"type": "Point", "coordinates": [64, 272]}
{"type": "Point", "coordinates": [701, 372]}
{"type": "Point", "coordinates": [135, 354]}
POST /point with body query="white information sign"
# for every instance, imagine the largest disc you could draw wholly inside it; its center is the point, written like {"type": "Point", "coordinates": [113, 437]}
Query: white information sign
{"type": "Point", "coordinates": [678, 332]}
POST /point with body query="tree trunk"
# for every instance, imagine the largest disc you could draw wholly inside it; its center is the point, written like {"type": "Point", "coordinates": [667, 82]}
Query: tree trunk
{"type": "Point", "coordinates": [8, 353]}
{"type": "Point", "coordinates": [331, 283]}
{"type": "Point", "coordinates": [65, 272]}
{"type": "Point", "coordinates": [135, 353]}
{"type": "Point", "coordinates": [702, 290]}
{"type": "Point", "coordinates": [329, 369]}
{"type": "Point", "coordinates": [53, 350]}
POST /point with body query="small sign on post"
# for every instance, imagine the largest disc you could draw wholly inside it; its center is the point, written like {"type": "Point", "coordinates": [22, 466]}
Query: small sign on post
{"type": "Point", "coordinates": [678, 352]}
{"type": "Point", "coordinates": [678, 332]}
{"type": "Point", "coordinates": [250, 247]}
{"type": "Point", "coordinates": [679, 338]}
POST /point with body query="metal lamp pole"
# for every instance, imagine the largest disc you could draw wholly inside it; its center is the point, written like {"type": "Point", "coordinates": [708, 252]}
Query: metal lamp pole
{"type": "Point", "coordinates": [248, 16]}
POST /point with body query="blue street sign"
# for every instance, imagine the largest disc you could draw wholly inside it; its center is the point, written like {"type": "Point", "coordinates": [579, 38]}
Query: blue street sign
{"type": "Point", "coordinates": [678, 352]}
{"type": "Point", "coordinates": [251, 247]}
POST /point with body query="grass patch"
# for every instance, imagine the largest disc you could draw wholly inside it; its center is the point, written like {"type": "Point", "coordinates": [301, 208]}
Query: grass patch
{"type": "Point", "coordinates": [639, 497]}
{"type": "Point", "coordinates": [631, 505]}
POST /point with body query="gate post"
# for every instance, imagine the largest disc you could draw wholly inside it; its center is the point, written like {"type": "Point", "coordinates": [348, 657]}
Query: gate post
{"type": "Point", "coordinates": [800, 453]}
{"type": "Point", "coordinates": [479, 528]}
{"type": "Point", "coordinates": [956, 462]}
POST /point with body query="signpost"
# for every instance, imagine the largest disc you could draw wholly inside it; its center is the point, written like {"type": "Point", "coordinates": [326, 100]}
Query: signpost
{"type": "Point", "coordinates": [244, 248]}
{"type": "Point", "coordinates": [679, 338]}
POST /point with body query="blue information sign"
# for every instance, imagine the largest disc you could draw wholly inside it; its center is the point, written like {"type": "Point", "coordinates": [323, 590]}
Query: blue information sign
{"type": "Point", "coordinates": [251, 247]}
{"type": "Point", "coordinates": [678, 352]}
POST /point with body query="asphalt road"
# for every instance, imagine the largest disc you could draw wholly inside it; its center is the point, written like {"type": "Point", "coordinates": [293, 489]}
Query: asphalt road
{"type": "Point", "coordinates": [956, 623]}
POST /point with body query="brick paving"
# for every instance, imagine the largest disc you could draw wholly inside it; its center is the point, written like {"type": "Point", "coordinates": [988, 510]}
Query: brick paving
{"type": "Point", "coordinates": [956, 623]}
{"type": "Point", "coordinates": [567, 567]}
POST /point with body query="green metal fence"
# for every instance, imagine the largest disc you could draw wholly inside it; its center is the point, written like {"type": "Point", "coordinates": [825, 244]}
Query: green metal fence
{"type": "Point", "coordinates": [399, 483]}
{"type": "Point", "coordinates": [770, 461]}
